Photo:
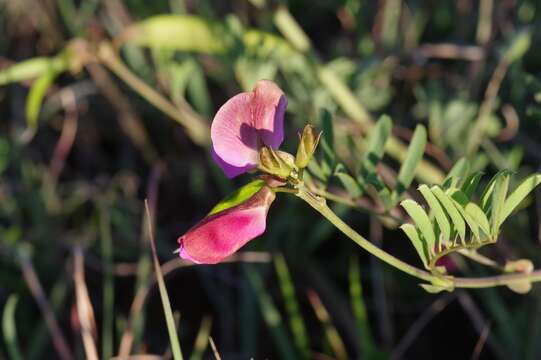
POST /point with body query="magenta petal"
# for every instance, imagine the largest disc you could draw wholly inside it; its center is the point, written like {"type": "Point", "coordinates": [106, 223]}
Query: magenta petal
{"type": "Point", "coordinates": [220, 235]}
{"type": "Point", "coordinates": [268, 109]}
{"type": "Point", "coordinates": [245, 123]}
{"type": "Point", "coordinates": [234, 140]}
{"type": "Point", "coordinates": [230, 170]}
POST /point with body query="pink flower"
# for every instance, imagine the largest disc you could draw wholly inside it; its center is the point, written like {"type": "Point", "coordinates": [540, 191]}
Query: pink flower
{"type": "Point", "coordinates": [244, 124]}
{"type": "Point", "coordinates": [220, 235]}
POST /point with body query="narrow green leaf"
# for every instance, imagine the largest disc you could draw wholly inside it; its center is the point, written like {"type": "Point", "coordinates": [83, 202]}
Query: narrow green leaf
{"type": "Point", "coordinates": [9, 328]}
{"type": "Point", "coordinates": [519, 194]}
{"type": "Point", "coordinates": [239, 196]}
{"type": "Point", "coordinates": [470, 184]}
{"type": "Point", "coordinates": [327, 137]}
{"type": "Point", "coordinates": [419, 245]}
{"type": "Point", "coordinates": [413, 158]}
{"type": "Point", "coordinates": [454, 214]}
{"type": "Point", "coordinates": [31, 69]}
{"type": "Point", "coordinates": [486, 197]}
{"type": "Point", "coordinates": [501, 186]}
{"type": "Point", "coordinates": [439, 213]}
{"type": "Point", "coordinates": [376, 145]}
{"type": "Point", "coordinates": [423, 223]}
{"type": "Point", "coordinates": [479, 216]}
{"type": "Point", "coordinates": [35, 96]}
{"type": "Point", "coordinates": [383, 191]}
{"type": "Point", "coordinates": [519, 45]}
{"type": "Point", "coordinates": [350, 184]}
{"type": "Point", "coordinates": [461, 200]}
{"type": "Point", "coordinates": [457, 174]}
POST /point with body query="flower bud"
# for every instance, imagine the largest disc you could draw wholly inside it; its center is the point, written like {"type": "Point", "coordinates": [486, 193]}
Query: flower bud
{"type": "Point", "coordinates": [307, 146]}
{"type": "Point", "coordinates": [275, 162]}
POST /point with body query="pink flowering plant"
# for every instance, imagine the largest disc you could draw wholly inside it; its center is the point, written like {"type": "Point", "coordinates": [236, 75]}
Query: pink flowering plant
{"type": "Point", "coordinates": [246, 134]}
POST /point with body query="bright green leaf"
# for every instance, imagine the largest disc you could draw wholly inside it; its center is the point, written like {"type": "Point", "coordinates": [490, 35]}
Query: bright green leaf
{"type": "Point", "coordinates": [239, 196]}
{"type": "Point", "coordinates": [457, 174]}
{"type": "Point", "coordinates": [419, 245]}
{"type": "Point", "coordinates": [423, 223]}
{"type": "Point", "coordinates": [519, 194]}
{"type": "Point", "coordinates": [439, 213]}
{"type": "Point", "coordinates": [499, 193]}
{"type": "Point", "coordinates": [413, 158]}
{"type": "Point", "coordinates": [35, 96]}
{"type": "Point", "coordinates": [454, 214]}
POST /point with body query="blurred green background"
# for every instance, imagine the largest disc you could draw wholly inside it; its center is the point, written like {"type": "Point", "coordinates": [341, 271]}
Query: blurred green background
{"type": "Point", "coordinates": [104, 103]}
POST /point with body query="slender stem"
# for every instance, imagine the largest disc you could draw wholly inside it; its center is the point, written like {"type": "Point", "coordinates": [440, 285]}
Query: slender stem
{"type": "Point", "coordinates": [319, 204]}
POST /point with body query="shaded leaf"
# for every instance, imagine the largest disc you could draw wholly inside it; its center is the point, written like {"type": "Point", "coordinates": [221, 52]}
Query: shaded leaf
{"type": "Point", "coordinates": [413, 158]}
{"type": "Point", "coordinates": [419, 245]}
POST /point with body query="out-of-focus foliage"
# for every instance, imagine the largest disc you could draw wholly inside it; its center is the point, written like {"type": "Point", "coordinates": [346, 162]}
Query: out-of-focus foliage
{"type": "Point", "coordinates": [404, 92]}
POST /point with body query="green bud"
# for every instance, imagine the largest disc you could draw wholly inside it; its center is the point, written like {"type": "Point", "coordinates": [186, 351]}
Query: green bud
{"type": "Point", "coordinates": [277, 163]}
{"type": "Point", "coordinates": [307, 146]}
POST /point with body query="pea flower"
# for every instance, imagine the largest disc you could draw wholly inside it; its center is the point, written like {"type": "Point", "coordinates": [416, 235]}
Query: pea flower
{"type": "Point", "coordinates": [246, 133]}
{"type": "Point", "coordinates": [221, 234]}
{"type": "Point", "coordinates": [246, 123]}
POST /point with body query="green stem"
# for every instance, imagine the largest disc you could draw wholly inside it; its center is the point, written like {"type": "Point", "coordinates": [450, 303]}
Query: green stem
{"type": "Point", "coordinates": [320, 205]}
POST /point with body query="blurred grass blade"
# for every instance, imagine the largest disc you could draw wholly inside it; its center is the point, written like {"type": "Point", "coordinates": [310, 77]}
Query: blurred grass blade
{"type": "Point", "coordinates": [327, 137]}
{"type": "Point", "coordinates": [85, 311]}
{"type": "Point", "coordinates": [519, 45]}
{"type": "Point", "coordinates": [440, 214]}
{"type": "Point", "coordinates": [419, 245]}
{"type": "Point", "coordinates": [35, 96]}
{"type": "Point", "coordinates": [9, 328]}
{"type": "Point", "coordinates": [423, 223]}
{"type": "Point", "coordinates": [291, 30]}
{"type": "Point", "coordinates": [178, 32]}
{"type": "Point", "coordinates": [349, 183]}
{"type": "Point", "coordinates": [376, 146]}
{"type": "Point", "coordinates": [332, 335]}
{"type": "Point", "coordinates": [202, 339]}
{"type": "Point", "coordinates": [108, 320]}
{"type": "Point", "coordinates": [198, 90]}
{"type": "Point", "coordinates": [296, 322]}
{"type": "Point", "coordinates": [519, 194]}
{"type": "Point", "coordinates": [359, 308]}
{"type": "Point", "coordinates": [270, 314]}
{"type": "Point", "coordinates": [414, 156]}
{"type": "Point", "coordinates": [166, 304]}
